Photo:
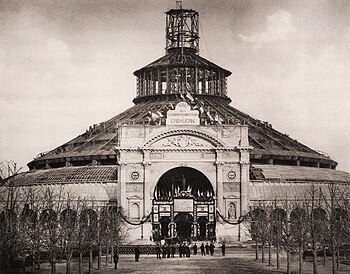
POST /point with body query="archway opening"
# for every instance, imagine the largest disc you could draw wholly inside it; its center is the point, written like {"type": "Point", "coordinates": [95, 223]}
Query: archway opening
{"type": "Point", "coordinates": [183, 181]}
{"type": "Point", "coordinates": [184, 206]}
{"type": "Point", "coordinates": [183, 223]}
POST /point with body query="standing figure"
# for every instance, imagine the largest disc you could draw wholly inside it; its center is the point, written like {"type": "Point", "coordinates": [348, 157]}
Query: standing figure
{"type": "Point", "coordinates": [195, 249]}
{"type": "Point", "coordinates": [212, 247]}
{"type": "Point", "coordinates": [115, 260]}
{"type": "Point", "coordinates": [163, 251]}
{"type": "Point", "coordinates": [137, 253]}
{"type": "Point", "coordinates": [202, 249]}
{"type": "Point", "coordinates": [180, 249]}
{"type": "Point", "coordinates": [158, 251]}
{"type": "Point", "coordinates": [223, 249]}
{"type": "Point", "coordinates": [167, 251]}
{"type": "Point", "coordinates": [207, 248]}
{"type": "Point", "coordinates": [172, 249]}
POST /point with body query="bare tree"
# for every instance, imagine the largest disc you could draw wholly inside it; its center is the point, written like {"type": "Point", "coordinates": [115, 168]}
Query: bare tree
{"type": "Point", "coordinates": [10, 204]}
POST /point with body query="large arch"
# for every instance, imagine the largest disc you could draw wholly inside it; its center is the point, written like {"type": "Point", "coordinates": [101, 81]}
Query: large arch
{"type": "Point", "coordinates": [179, 181]}
{"type": "Point", "coordinates": [184, 205]}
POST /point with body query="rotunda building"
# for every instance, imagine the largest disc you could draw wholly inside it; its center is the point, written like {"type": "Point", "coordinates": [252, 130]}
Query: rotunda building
{"type": "Point", "coordinates": [182, 162]}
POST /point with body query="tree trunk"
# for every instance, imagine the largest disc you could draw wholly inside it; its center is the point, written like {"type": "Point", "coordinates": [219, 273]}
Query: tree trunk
{"type": "Point", "coordinates": [288, 261]}
{"type": "Point", "coordinates": [80, 262]}
{"type": "Point", "coordinates": [256, 250]}
{"type": "Point", "coordinates": [333, 261]}
{"type": "Point", "coordinates": [324, 256]}
{"type": "Point", "coordinates": [269, 254]}
{"type": "Point", "coordinates": [33, 262]}
{"type": "Point", "coordinates": [263, 252]}
{"type": "Point", "coordinates": [314, 257]}
{"type": "Point", "coordinates": [90, 261]}
{"type": "Point", "coordinates": [68, 265]}
{"type": "Point", "coordinates": [300, 260]}
{"type": "Point", "coordinates": [99, 257]}
{"type": "Point", "coordinates": [24, 264]}
{"type": "Point", "coordinates": [53, 266]}
{"type": "Point", "coordinates": [112, 253]}
{"type": "Point", "coordinates": [278, 256]}
{"type": "Point", "coordinates": [38, 261]}
{"type": "Point", "coordinates": [106, 261]}
{"type": "Point", "coordinates": [338, 259]}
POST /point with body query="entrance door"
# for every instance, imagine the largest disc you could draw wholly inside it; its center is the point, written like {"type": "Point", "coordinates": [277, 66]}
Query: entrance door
{"type": "Point", "coordinates": [164, 226]}
{"type": "Point", "coordinates": [202, 223]}
{"type": "Point", "coordinates": [184, 223]}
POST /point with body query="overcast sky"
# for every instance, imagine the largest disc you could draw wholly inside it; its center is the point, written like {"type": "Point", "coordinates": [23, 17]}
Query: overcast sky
{"type": "Point", "coordinates": [67, 64]}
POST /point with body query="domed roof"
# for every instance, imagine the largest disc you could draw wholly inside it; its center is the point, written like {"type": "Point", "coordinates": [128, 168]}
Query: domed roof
{"type": "Point", "coordinates": [99, 141]}
{"type": "Point", "coordinates": [181, 75]}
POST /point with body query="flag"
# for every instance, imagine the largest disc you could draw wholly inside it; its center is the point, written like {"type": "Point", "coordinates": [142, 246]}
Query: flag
{"type": "Point", "coordinates": [171, 106]}
{"type": "Point", "coordinates": [159, 114]}
{"type": "Point", "coordinates": [218, 119]}
{"type": "Point", "coordinates": [189, 96]}
{"type": "Point", "coordinates": [153, 116]}
{"type": "Point", "coordinates": [210, 117]}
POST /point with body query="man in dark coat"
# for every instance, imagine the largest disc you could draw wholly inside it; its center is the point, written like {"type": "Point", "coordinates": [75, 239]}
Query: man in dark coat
{"type": "Point", "coordinates": [167, 251]}
{"type": "Point", "coordinates": [158, 251]}
{"type": "Point", "coordinates": [163, 251]}
{"type": "Point", "coordinates": [172, 249]}
{"type": "Point", "coordinates": [223, 249]}
{"type": "Point", "coordinates": [211, 247]}
{"type": "Point", "coordinates": [180, 250]}
{"type": "Point", "coordinates": [115, 260]}
{"type": "Point", "coordinates": [202, 249]}
{"type": "Point", "coordinates": [137, 253]}
{"type": "Point", "coordinates": [195, 249]}
{"type": "Point", "coordinates": [207, 248]}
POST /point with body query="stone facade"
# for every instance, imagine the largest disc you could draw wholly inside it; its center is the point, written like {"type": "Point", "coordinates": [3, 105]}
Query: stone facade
{"type": "Point", "coordinates": [219, 152]}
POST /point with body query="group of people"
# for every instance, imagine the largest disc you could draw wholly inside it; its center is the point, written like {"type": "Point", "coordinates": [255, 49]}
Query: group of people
{"type": "Point", "coordinates": [169, 250]}
{"type": "Point", "coordinates": [206, 249]}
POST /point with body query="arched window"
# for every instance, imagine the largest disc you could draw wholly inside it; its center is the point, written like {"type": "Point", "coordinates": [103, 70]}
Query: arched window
{"type": "Point", "coordinates": [319, 221]}
{"type": "Point", "coordinates": [28, 217]}
{"type": "Point", "coordinates": [339, 221]}
{"type": "Point", "coordinates": [68, 218]}
{"type": "Point", "coordinates": [279, 222]}
{"type": "Point", "coordinates": [298, 227]}
{"type": "Point", "coordinates": [8, 220]}
{"type": "Point", "coordinates": [88, 220]}
{"type": "Point", "coordinates": [135, 211]}
{"type": "Point", "coordinates": [259, 223]}
{"type": "Point", "coordinates": [48, 218]}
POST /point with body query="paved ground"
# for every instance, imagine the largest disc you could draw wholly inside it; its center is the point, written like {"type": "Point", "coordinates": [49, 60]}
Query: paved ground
{"type": "Point", "coordinates": [236, 261]}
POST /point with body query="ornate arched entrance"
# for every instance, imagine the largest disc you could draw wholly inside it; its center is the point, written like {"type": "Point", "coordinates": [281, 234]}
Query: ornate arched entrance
{"type": "Point", "coordinates": [183, 206]}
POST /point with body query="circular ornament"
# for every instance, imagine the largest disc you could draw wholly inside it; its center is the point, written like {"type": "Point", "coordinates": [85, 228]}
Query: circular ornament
{"type": "Point", "coordinates": [231, 175]}
{"type": "Point", "coordinates": [135, 175]}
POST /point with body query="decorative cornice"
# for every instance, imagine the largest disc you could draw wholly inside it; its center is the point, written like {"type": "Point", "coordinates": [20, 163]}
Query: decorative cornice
{"type": "Point", "coordinates": [192, 132]}
{"type": "Point", "coordinates": [212, 149]}
{"type": "Point", "coordinates": [244, 148]}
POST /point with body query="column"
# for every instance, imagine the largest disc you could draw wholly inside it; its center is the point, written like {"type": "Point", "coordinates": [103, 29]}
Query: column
{"type": "Point", "coordinates": [244, 166]}
{"type": "Point", "coordinates": [219, 183]}
{"type": "Point", "coordinates": [122, 186]}
{"type": "Point", "coordinates": [147, 206]}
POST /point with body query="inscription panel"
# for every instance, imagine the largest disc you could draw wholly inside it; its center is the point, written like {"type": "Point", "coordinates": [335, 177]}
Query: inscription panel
{"type": "Point", "coordinates": [231, 187]}
{"type": "Point", "coordinates": [134, 187]}
{"type": "Point", "coordinates": [183, 205]}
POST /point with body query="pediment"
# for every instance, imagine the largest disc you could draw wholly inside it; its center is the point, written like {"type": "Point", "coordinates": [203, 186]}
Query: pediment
{"type": "Point", "coordinates": [183, 139]}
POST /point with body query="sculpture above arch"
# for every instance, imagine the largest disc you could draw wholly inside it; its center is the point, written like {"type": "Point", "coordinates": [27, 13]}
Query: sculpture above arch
{"type": "Point", "coordinates": [182, 138]}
